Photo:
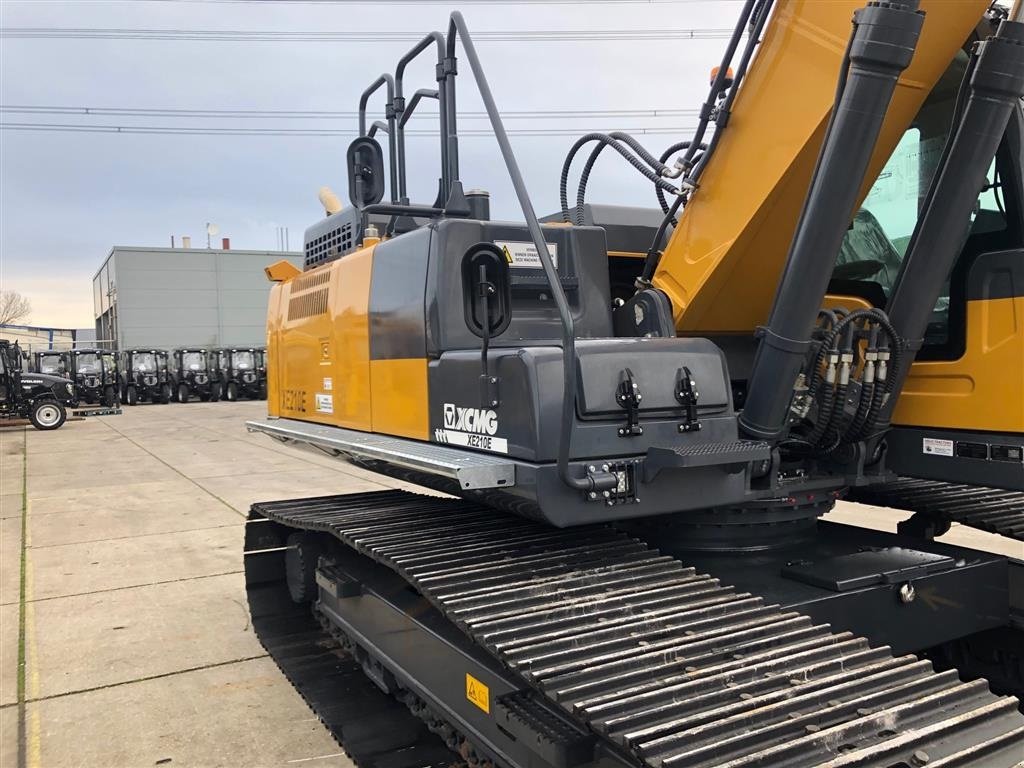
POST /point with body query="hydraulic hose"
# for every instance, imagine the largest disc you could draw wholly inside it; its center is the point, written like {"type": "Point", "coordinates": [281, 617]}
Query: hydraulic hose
{"type": "Point", "coordinates": [679, 145]}
{"type": "Point", "coordinates": [654, 252]}
{"type": "Point", "coordinates": [654, 163]}
{"type": "Point", "coordinates": [693, 171]}
{"type": "Point", "coordinates": [725, 109]}
{"type": "Point", "coordinates": [633, 160]}
{"type": "Point", "coordinates": [718, 83]}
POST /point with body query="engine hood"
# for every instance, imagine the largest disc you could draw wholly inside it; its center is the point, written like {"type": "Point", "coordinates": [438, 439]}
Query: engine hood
{"type": "Point", "coordinates": [42, 379]}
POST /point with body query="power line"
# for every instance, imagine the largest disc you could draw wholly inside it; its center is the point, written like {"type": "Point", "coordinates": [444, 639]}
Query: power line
{"type": "Point", "coordinates": [273, 114]}
{"type": "Point", "coordinates": [277, 36]}
{"type": "Point", "coordinates": [208, 131]}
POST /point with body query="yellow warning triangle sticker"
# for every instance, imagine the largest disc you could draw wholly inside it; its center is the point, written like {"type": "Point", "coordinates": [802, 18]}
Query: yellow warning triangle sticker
{"type": "Point", "coordinates": [508, 254]}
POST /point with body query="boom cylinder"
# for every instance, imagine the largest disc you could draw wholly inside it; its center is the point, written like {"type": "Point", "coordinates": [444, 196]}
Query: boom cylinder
{"type": "Point", "coordinates": [997, 82]}
{"type": "Point", "coordinates": [881, 47]}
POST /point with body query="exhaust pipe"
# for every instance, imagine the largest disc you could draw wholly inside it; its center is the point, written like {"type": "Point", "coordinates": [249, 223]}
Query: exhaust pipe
{"type": "Point", "coordinates": [880, 48]}
{"type": "Point", "coordinates": [994, 81]}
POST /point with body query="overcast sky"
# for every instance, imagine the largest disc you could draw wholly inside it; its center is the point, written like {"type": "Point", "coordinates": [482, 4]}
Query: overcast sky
{"type": "Point", "coordinates": [66, 198]}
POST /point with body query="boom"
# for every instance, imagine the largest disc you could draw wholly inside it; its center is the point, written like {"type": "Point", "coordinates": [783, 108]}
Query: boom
{"type": "Point", "coordinates": [724, 259]}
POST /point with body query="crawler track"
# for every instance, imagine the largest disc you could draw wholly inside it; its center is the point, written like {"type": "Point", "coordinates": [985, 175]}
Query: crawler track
{"type": "Point", "coordinates": [374, 729]}
{"type": "Point", "coordinates": [988, 509]}
{"type": "Point", "coordinates": [666, 663]}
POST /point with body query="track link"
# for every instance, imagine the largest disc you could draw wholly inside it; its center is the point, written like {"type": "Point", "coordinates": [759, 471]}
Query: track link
{"type": "Point", "coordinates": [374, 729]}
{"type": "Point", "coordinates": [989, 509]}
{"type": "Point", "coordinates": [664, 662]}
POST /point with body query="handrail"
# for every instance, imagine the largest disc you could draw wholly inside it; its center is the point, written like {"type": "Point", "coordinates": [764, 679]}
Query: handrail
{"type": "Point", "coordinates": [439, 43]}
{"type": "Point", "coordinates": [591, 481]}
{"type": "Point", "coordinates": [422, 93]}
{"type": "Point", "coordinates": [389, 114]}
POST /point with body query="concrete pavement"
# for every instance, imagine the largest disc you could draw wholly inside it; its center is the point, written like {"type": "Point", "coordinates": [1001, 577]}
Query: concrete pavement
{"type": "Point", "coordinates": [136, 642]}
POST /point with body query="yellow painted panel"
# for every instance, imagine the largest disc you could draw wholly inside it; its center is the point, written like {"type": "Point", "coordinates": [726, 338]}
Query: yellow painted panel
{"type": "Point", "coordinates": [322, 360]}
{"type": "Point", "coordinates": [350, 303]}
{"type": "Point", "coordinates": [942, 383]}
{"type": "Point", "coordinates": [850, 303]}
{"type": "Point", "coordinates": [984, 389]}
{"type": "Point", "coordinates": [281, 270]}
{"type": "Point", "coordinates": [400, 404]}
{"type": "Point", "coordinates": [723, 263]}
{"type": "Point", "coordinates": [273, 350]}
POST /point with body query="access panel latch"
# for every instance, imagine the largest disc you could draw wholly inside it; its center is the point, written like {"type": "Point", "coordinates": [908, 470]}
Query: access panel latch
{"type": "Point", "coordinates": [687, 394]}
{"type": "Point", "coordinates": [628, 396]}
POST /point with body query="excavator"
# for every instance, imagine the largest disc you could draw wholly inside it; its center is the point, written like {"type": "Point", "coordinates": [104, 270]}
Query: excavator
{"type": "Point", "coordinates": [621, 426]}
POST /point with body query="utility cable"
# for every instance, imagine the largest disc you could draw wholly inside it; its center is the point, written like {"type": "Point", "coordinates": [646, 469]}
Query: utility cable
{"type": "Point", "coordinates": [248, 36]}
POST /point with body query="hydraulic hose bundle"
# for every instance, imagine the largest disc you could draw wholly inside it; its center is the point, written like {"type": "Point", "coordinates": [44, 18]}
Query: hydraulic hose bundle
{"type": "Point", "coordinates": [848, 380]}
{"type": "Point", "coordinates": [643, 161]}
{"type": "Point", "coordinates": [716, 108]}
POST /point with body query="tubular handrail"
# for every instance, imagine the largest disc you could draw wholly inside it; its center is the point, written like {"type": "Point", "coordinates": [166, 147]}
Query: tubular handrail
{"type": "Point", "coordinates": [591, 481]}
{"type": "Point", "coordinates": [389, 113]}
{"type": "Point", "coordinates": [439, 44]}
{"type": "Point", "coordinates": [422, 93]}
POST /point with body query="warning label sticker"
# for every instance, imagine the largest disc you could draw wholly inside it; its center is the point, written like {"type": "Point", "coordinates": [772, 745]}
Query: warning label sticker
{"type": "Point", "coordinates": [324, 403]}
{"type": "Point", "coordinates": [524, 255]}
{"type": "Point", "coordinates": [328, 383]}
{"type": "Point", "coordinates": [478, 693]}
{"type": "Point", "coordinates": [935, 447]}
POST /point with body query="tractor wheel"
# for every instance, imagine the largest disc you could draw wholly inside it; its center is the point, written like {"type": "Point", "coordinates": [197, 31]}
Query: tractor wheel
{"type": "Point", "coordinates": [231, 395]}
{"type": "Point", "coordinates": [183, 393]}
{"type": "Point", "coordinates": [263, 390]}
{"type": "Point", "coordinates": [131, 395]}
{"type": "Point", "coordinates": [109, 396]}
{"type": "Point", "coordinates": [215, 392]}
{"type": "Point", "coordinates": [47, 415]}
{"type": "Point", "coordinates": [165, 394]}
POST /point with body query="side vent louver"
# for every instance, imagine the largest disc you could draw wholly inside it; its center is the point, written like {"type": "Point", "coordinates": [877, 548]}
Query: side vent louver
{"type": "Point", "coordinates": [309, 295]}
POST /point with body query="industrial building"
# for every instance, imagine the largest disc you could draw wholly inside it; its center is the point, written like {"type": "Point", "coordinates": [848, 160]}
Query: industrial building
{"type": "Point", "coordinates": [38, 337]}
{"type": "Point", "coordinates": [173, 297]}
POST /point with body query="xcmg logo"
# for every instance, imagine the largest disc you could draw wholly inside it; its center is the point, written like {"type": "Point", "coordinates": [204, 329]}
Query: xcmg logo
{"type": "Point", "coordinates": [477, 420]}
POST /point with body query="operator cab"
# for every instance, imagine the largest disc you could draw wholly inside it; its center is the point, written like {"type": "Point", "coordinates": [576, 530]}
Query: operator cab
{"type": "Point", "coordinates": [52, 362]}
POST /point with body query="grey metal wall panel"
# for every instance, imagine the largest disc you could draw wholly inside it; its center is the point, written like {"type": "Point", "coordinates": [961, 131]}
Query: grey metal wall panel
{"type": "Point", "coordinates": [168, 299]}
{"type": "Point", "coordinates": [176, 297]}
{"type": "Point", "coordinates": [147, 261]}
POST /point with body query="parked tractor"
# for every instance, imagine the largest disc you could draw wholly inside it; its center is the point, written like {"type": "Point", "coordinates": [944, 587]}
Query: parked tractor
{"type": "Point", "coordinates": [243, 372]}
{"type": "Point", "coordinates": [145, 376]}
{"type": "Point", "coordinates": [41, 398]}
{"type": "Point", "coordinates": [195, 373]}
{"type": "Point", "coordinates": [96, 376]}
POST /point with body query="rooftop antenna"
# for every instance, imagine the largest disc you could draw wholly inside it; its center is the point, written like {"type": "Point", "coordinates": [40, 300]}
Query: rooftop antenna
{"type": "Point", "coordinates": [211, 231]}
